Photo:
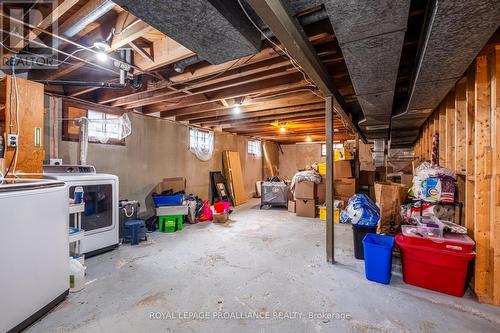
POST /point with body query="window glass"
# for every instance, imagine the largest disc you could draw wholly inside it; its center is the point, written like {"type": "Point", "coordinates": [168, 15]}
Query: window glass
{"type": "Point", "coordinates": [254, 147]}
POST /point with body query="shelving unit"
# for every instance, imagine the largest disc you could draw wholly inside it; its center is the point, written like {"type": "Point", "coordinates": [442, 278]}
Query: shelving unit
{"type": "Point", "coordinates": [77, 237]}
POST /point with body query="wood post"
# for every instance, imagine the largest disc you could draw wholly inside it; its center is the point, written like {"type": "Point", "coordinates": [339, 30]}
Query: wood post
{"type": "Point", "coordinates": [330, 243]}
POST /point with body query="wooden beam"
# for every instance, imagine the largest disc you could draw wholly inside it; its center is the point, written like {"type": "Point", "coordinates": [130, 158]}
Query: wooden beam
{"type": "Point", "coordinates": [165, 51]}
{"type": "Point", "coordinates": [494, 66]}
{"type": "Point", "coordinates": [330, 230]}
{"type": "Point", "coordinates": [133, 31]}
{"type": "Point", "coordinates": [483, 170]}
{"type": "Point", "coordinates": [442, 133]}
{"type": "Point", "coordinates": [469, 152]}
{"type": "Point", "coordinates": [141, 51]}
{"type": "Point", "coordinates": [246, 115]}
{"type": "Point", "coordinates": [274, 85]}
{"type": "Point", "coordinates": [450, 130]}
{"type": "Point", "coordinates": [460, 131]}
{"type": "Point", "coordinates": [249, 105]}
{"type": "Point", "coordinates": [47, 22]}
{"type": "Point", "coordinates": [289, 32]}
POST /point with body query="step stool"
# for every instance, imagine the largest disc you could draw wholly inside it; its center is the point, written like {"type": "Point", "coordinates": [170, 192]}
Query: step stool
{"type": "Point", "coordinates": [170, 223]}
{"type": "Point", "coordinates": [134, 232]}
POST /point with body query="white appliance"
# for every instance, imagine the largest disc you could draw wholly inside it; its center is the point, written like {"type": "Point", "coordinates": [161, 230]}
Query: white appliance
{"type": "Point", "coordinates": [100, 218]}
{"type": "Point", "coordinates": [34, 265]}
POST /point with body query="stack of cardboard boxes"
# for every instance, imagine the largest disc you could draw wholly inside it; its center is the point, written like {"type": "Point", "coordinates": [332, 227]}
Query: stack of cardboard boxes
{"type": "Point", "coordinates": [307, 196]}
{"type": "Point", "coordinates": [344, 182]}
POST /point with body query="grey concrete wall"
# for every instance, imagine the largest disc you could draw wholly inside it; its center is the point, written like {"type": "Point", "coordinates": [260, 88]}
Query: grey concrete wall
{"type": "Point", "coordinates": [158, 149]}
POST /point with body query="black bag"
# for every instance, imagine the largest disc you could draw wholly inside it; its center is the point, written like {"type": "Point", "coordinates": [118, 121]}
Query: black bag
{"type": "Point", "coordinates": [151, 223]}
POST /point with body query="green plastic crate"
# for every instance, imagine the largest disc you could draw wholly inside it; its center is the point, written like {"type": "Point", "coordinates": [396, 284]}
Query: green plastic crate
{"type": "Point", "coordinates": [170, 223]}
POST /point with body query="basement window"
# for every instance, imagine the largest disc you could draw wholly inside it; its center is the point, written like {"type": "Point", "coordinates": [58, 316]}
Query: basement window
{"type": "Point", "coordinates": [253, 148]}
{"type": "Point", "coordinates": [102, 130]}
{"type": "Point", "coordinates": [201, 143]}
{"type": "Point", "coordinates": [335, 146]}
{"type": "Point", "coordinates": [101, 127]}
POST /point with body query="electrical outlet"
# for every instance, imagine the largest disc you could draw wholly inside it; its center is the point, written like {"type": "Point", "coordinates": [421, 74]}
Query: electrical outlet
{"type": "Point", "coordinates": [12, 140]}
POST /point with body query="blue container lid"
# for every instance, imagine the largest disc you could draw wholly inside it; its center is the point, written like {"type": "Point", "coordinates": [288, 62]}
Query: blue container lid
{"type": "Point", "coordinates": [378, 240]}
{"type": "Point", "coordinates": [134, 222]}
{"type": "Point", "coordinates": [364, 227]}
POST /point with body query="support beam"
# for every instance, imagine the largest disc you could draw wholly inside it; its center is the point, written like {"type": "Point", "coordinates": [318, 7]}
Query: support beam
{"type": "Point", "coordinates": [330, 234]}
{"type": "Point", "coordinates": [289, 32]}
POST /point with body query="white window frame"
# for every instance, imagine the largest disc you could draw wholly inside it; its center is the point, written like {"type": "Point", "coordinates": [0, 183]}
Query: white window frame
{"type": "Point", "coordinates": [335, 146]}
{"type": "Point", "coordinates": [98, 127]}
{"type": "Point", "coordinates": [254, 148]}
{"type": "Point", "coordinates": [200, 139]}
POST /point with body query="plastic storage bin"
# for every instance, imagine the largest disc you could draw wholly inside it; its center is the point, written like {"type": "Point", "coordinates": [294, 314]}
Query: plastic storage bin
{"type": "Point", "coordinates": [358, 234]}
{"type": "Point", "coordinates": [170, 223]}
{"type": "Point", "coordinates": [168, 200]}
{"type": "Point", "coordinates": [451, 242]}
{"type": "Point", "coordinates": [434, 268]}
{"type": "Point", "coordinates": [336, 214]}
{"type": "Point", "coordinates": [378, 257]}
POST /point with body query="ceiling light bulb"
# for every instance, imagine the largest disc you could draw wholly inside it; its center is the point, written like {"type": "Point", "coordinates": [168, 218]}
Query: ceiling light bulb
{"type": "Point", "coordinates": [308, 139]}
{"type": "Point", "coordinates": [236, 108]}
{"type": "Point", "coordinates": [101, 56]}
{"type": "Point", "coordinates": [282, 129]}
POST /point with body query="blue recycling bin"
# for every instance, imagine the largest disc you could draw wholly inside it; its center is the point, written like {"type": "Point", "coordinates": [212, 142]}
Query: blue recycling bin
{"type": "Point", "coordinates": [378, 257]}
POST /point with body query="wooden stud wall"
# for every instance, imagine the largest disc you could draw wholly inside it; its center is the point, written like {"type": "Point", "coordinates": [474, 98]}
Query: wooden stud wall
{"type": "Point", "coordinates": [468, 123]}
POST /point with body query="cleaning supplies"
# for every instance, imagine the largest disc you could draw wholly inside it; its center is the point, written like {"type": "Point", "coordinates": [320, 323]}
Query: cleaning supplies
{"type": "Point", "coordinates": [76, 275]}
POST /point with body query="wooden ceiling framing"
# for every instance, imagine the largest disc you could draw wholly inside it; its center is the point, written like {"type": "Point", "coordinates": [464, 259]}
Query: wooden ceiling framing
{"type": "Point", "coordinates": [269, 90]}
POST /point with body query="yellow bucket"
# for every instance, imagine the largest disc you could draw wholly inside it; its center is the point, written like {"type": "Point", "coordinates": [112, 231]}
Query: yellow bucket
{"type": "Point", "coordinates": [336, 214]}
{"type": "Point", "coordinates": [322, 168]}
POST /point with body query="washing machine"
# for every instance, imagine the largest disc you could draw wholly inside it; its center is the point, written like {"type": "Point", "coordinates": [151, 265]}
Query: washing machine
{"type": "Point", "coordinates": [100, 219]}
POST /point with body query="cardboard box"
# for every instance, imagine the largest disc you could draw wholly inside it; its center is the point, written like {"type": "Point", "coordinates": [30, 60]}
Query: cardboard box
{"type": "Point", "coordinates": [305, 207]}
{"type": "Point", "coordinates": [321, 191]}
{"type": "Point", "coordinates": [305, 190]}
{"type": "Point", "coordinates": [344, 187]}
{"type": "Point", "coordinates": [220, 218]}
{"type": "Point", "coordinates": [366, 178]}
{"type": "Point", "coordinates": [407, 180]}
{"type": "Point", "coordinates": [177, 184]}
{"type": "Point", "coordinates": [342, 169]}
{"type": "Point", "coordinates": [291, 206]}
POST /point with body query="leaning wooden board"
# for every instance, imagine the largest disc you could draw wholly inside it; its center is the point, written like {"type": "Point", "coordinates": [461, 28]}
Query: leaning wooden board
{"type": "Point", "coordinates": [234, 176]}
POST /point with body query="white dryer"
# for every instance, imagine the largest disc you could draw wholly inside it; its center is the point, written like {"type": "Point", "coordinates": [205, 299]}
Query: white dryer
{"type": "Point", "coordinates": [101, 194]}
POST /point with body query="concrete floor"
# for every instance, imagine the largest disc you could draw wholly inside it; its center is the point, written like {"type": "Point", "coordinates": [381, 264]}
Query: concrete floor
{"type": "Point", "coordinates": [267, 263]}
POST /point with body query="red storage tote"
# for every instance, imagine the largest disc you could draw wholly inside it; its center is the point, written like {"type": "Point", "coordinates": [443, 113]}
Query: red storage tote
{"type": "Point", "coordinates": [434, 268]}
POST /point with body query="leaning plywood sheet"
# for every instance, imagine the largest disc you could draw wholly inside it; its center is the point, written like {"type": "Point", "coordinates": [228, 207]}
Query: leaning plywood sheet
{"type": "Point", "coordinates": [234, 176]}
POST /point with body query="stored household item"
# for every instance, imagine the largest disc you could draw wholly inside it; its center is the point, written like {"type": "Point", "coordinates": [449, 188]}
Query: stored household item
{"type": "Point", "coordinates": [305, 190]}
{"type": "Point", "coordinates": [274, 194]}
{"type": "Point", "coordinates": [336, 214]}
{"type": "Point", "coordinates": [78, 195]}
{"type": "Point", "coordinates": [234, 176]}
{"type": "Point", "coordinates": [342, 169]}
{"type": "Point", "coordinates": [100, 219]}
{"type": "Point", "coordinates": [172, 210]}
{"type": "Point", "coordinates": [76, 275]}
{"type": "Point", "coordinates": [291, 206]}
{"type": "Point", "coordinates": [34, 250]}
{"type": "Point", "coordinates": [322, 168]}
{"type": "Point", "coordinates": [359, 232]}
{"type": "Point", "coordinates": [129, 210]}
{"type": "Point", "coordinates": [305, 207]}
{"type": "Point", "coordinates": [389, 197]}
{"type": "Point", "coordinates": [168, 200]}
{"type": "Point", "coordinates": [218, 188]}
{"type": "Point", "coordinates": [134, 232]}
{"type": "Point", "coordinates": [344, 187]}
{"type": "Point", "coordinates": [361, 210]}
{"type": "Point", "coordinates": [220, 217]}
{"type": "Point", "coordinates": [433, 268]}
{"type": "Point", "coordinates": [170, 223]}
{"type": "Point", "coordinates": [378, 257]}
{"type": "Point", "coordinates": [450, 241]}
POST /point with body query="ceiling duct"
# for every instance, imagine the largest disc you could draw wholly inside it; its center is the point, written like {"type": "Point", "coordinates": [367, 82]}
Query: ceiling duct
{"type": "Point", "coordinates": [371, 35]}
{"type": "Point", "coordinates": [457, 30]}
{"type": "Point", "coordinates": [216, 30]}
